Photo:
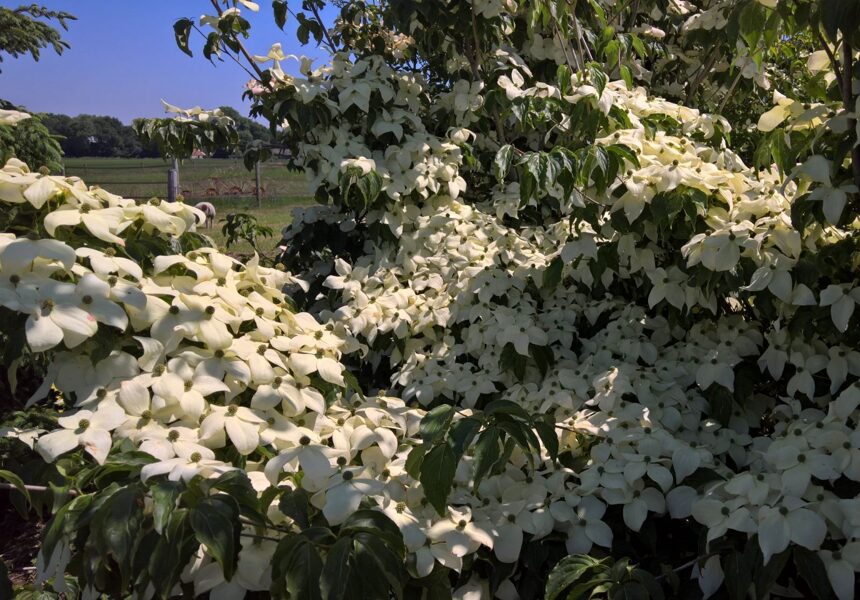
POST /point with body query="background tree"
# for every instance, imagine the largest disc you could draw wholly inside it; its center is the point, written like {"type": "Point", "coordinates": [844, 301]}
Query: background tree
{"type": "Point", "coordinates": [30, 141]}
{"type": "Point", "coordinates": [23, 30]}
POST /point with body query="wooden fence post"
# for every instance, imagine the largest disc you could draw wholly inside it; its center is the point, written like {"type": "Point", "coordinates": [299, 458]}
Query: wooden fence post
{"type": "Point", "coordinates": [173, 181]}
{"type": "Point", "coordinates": [258, 192]}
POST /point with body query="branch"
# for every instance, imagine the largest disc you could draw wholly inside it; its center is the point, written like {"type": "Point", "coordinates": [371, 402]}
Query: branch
{"type": "Point", "coordinates": [329, 41]}
{"type": "Point", "coordinates": [848, 99]}
{"type": "Point", "coordinates": [228, 53]}
{"type": "Point", "coordinates": [831, 56]}
{"type": "Point", "coordinates": [242, 48]}
{"type": "Point", "coordinates": [700, 76]}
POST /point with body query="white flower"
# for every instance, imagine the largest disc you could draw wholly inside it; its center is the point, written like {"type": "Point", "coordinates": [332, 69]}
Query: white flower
{"type": "Point", "coordinates": [90, 429]}
{"type": "Point", "coordinates": [719, 517]}
{"type": "Point", "coordinates": [241, 424]}
{"type": "Point", "coordinates": [460, 533]}
{"type": "Point", "coordinates": [841, 565]}
{"type": "Point", "coordinates": [779, 525]}
{"type": "Point", "coordinates": [841, 299]}
{"type": "Point", "coordinates": [54, 318]}
{"type": "Point", "coordinates": [343, 493]}
{"type": "Point", "coordinates": [585, 526]}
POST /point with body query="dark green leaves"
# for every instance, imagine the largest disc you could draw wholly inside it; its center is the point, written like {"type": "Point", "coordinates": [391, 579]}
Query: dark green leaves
{"type": "Point", "coordinates": [215, 521]}
{"type": "Point", "coordinates": [502, 162]}
{"type": "Point", "coordinates": [581, 576]}
{"type": "Point", "coordinates": [295, 504]}
{"type": "Point", "coordinates": [435, 423]}
{"type": "Point", "coordinates": [437, 475]}
{"type": "Point", "coordinates": [296, 569]}
{"type": "Point", "coordinates": [116, 526]}
{"type": "Point", "coordinates": [181, 32]}
{"type": "Point", "coordinates": [364, 561]}
{"type": "Point", "coordinates": [279, 7]}
{"type": "Point", "coordinates": [751, 20]}
{"type": "Point", "coordinates": [812, 570]}
{"type": "Point", "coordinates": [839, 15]}
{"type": "Point", "coordinates": [16, 482]}
{"type": "Point", "coordinates": [334, 584]}
{"type": "Point", "coordinates": [552, 275]}
{"type": "Point", "coordinates": [576, 571]}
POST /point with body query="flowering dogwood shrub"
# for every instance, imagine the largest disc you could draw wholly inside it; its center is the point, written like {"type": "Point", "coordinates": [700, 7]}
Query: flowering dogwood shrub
{"type": "Point", "coordinates": [584, 324]}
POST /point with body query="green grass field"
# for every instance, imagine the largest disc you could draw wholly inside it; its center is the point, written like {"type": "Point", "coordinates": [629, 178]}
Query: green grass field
{"type": "Point", "coordinates": [223, 182]}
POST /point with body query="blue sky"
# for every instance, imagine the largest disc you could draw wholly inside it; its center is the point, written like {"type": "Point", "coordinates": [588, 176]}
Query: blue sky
{"type": "Point", "coordinates": [123, 60]}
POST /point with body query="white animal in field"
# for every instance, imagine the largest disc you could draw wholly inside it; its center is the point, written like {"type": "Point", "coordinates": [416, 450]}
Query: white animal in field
{"type": "Point", "coordinates": [209, 212]}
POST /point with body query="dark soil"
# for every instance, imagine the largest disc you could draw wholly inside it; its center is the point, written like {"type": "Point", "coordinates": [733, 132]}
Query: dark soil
{"type": "Point", "coordinates": [19, 542]}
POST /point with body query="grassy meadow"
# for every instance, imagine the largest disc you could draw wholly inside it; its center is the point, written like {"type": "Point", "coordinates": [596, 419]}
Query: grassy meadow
{"type": "Point", "coordinates": [223, 182]}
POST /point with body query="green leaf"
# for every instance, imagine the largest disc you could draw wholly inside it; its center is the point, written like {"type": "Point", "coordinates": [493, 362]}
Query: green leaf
{"type": "Point", "coordinates": [462, 433]}
{"type": "Point", "coordinates": [237, 485]}
{"type": "Point", "coordinates": [215, 521]}
{"type": "Point", "coordinates": [415, 460]}
{"type": "Point", "coordinates": [182, 32]}
{"type": "Point", "coordinates": [116, 527]}
{"type": "Point", "coordinates": [552, 275]}
{"type": "Point", "coordinates": [17, 482]}
{"type": "Point", "coordinates": [486, 452]}
{"type": "Point", "coordinates": [171, 554]}
{"type": "Point", "coordinates": [377, 524]}
{"type": "Point", "coordinates": [839, 15]}
{"type": "Point", "coordinates": [506, 407]}
{"type": "Point", "coordinates": [335, 581]}
{"type": "Point", "coordinates": [812, 569]}
{"type": "Point", "coordinates": [437, 476]}
{"type": "Point", "coordinates": [165, 495]}
{"type": "Point", "coordinates": [280, 9]}
{"type": "Point", "coordinates": [502, 162]}
{"type": "Point", "coordinates": [721, 402]}
{"type": "Point", "coordinates": [303, 33]}
{"type": "Point", "coordinates": [435, 423]}
{"type": "Point", "coordinates": [369, 186]}
{"type": "Point", "coordinates": [738, 574]}
{"type": "Point", "coordinates": [598, 77]}
{"type": "Point", "coordinates": [546, 432]}
{"type": "Point", "coordinates": [372, 555]}
{"type": "Point", "coordinates": [295, 505]}
{"type": "Point", "coordinates": [569, 571]}
{"type": "Point", "coordinates": [297, 569]}
{"type": "Point", "coordinates": [627, 76]}
{"type": "Point", "coordinates": [752, 19]}
{"type": "Point", "coordinates": [766, 575]}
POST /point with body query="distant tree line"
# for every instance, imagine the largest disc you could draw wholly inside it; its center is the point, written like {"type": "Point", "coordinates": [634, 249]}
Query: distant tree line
{"type": "Point", "coordinates": [91, 135]}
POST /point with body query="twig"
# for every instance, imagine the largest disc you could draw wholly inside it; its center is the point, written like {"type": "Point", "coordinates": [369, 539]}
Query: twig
{"type": "Point", "coordinates": [33, 488]}
{"type": "Point", "coordinates": [848, 100]}
{"type": "Point", "coordinates": [700, 76]}
{"type": "Point", "coordinates": [686, 565]}
{"type": "Point", "coordinates": [329, 41]}
{"type": "Point", "coordinates": [831, 56]}
{"type": "Point", "coordinates": [242, 48]}
{"type": "Point", "coordinates": [731, 90]}
{"type": "Point", "coordinates": [228, 53]}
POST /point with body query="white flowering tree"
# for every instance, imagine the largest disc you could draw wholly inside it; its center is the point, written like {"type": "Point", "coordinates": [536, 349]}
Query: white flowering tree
{"type": "Point", "coordinates": [546, 336]}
